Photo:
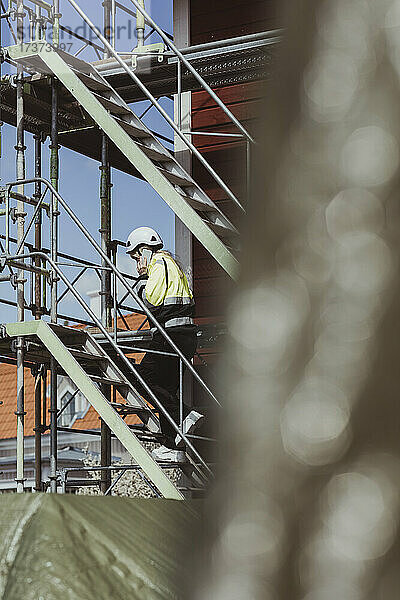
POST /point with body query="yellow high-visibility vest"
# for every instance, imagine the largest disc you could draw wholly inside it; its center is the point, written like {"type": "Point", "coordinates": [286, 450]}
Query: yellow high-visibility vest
{"type": "Point", "coordinates": [166, 283]}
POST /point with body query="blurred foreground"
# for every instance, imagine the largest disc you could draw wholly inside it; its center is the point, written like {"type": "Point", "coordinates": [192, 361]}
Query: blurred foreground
{"type": "Point", "coordinates": [308, 502]}
{"type": "Point", "coordinates": [65, 547]}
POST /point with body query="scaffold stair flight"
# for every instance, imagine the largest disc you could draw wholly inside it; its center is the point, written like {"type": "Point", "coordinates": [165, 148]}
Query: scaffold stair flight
{"type": "Point", "coordinates": [87, 364]}
{"type": "Point", "coordinates": [147, 154]}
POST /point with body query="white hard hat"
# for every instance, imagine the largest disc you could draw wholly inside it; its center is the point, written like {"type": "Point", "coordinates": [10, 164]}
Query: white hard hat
{"type": "Point", "coordinates": [143, 236]}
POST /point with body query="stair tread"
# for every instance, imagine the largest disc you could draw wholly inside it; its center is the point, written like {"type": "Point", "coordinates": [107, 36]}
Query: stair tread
{"type": "Point", "coordinates": [78, 64]}
{"type": "Point", "coordinates": [85, 355]}
{"type": "Point", "coordinates": [91, 82]}
{"type": "Point", "coordinates": [107, 380]}
{"type": "Point", "coordinates": [154, 154]}
{"type": "Point", "coordinates": [111, 105]}
{"type": "Point", "coordinates": [175, 178]}
{"type": "Point", "coordinates": [220, 228]}
{"type": "Point", "coordinates": [134, 130]}
{"type": "Point", "coordinates": [129, 408]}
{"type": "Point", "coordinates": [198, 204]}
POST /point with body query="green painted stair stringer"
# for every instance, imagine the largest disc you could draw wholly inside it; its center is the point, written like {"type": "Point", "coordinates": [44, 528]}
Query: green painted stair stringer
{"type": "Point", "coordinates": [117, 425]}
{"type": "Point", "coordinates": [53, 61]}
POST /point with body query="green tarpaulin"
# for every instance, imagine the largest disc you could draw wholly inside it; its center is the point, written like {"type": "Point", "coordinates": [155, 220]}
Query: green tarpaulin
{"type": "Point", "coordinates": [68, 547]}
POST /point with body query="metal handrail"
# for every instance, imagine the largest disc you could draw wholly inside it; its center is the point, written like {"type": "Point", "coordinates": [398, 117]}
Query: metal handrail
{"type": "Point", "coordinates": [192, 70]}
{"type": "Point", "coordinates": [41, 4]}
{"type": "Point", "coordinates": [160, 109]}
{"type": "Point", "coordinates": [14, 259]}
{"type": "Point", "coordinates": [117, 273]}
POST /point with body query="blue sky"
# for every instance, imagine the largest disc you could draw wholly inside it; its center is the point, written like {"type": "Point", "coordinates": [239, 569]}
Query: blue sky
{"type": "Point", "coordinates": [134, 202]}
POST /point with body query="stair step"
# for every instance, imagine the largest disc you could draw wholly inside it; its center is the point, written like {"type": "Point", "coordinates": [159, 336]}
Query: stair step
{"type": "Point", "coordinates": [130, 409]}
{"type": "Point", "coordinates": [107, 380]}
{"type": "Point", "coordinates": [154, 154]}
{"type": "Point", "coordinates": [112, 106]}
{"type": "Point", "coordinates": [135, 130]}
{"type": "Point", "coordinates": [198, 204]}
{"type": "Point", "coordinates": [92, 82]}
{"type": "Point", "coordinates": [221, 230]}
{"type": "Point", "coordinates": [82, 355]}
{"type": "Point", "coordinates": [79, 65]}
{"type": "Point", "coordinates": [175, 178]}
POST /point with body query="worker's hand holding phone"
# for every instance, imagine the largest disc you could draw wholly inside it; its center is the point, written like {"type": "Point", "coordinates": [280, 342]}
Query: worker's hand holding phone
{"type": "Point", "coordinates": [143, 262]}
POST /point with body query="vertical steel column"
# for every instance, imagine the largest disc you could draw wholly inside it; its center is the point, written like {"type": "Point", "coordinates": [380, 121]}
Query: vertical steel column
{"type": "Point", "coordinates": [183, 112]}
{"type": "Point", "coordinates": [248, 172]}
{"type": "Point", "coordinates": [105, 294]}
{"type": "Point", "coordinates": [105, 233]}
{"type": "Point", "coordinates": [38, 430]}
{"type": "Point", "coordinates": [140, 25]}
{"type": "Point", "coordinates": [38, 313]}
{"type": "Point", "coordinates": [107, 24]}
{"type": "Point", "coordinates": [113, 23]}
{"type": "Point", "coordinates": [1, 122]}
{"type": "Point", "coordinates": [20, 169]}
{"type": "Point", "coordinates": [38, 24]}
{"type": "Point", "coordinates": [54, 173]}
{"type": "Point", "coordinates": [183, 118]}
{"type": "Point", "coordinates": [56, 22]}
{"type": "Point", "coordinates": [54, 176]}
{"type": "Point", "coordinates": [44, 396]}
{"type": "Point", "coordinates": [38, 224]}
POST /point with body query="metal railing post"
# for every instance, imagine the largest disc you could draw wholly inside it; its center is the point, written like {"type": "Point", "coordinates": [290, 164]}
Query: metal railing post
{"type": "Point", "coordinates": [38, 430]}
{"type": "Point", "coordinates": [179, 94]}
{"type": "Point", "coordinates": [106, 23]}
{"type": "Point", "coordinates": [113, 23]}
{"type": "Point", "coordinates": [38, 223]}
{"type": "Point", "coordinates": [56, 22]}
{"type": "Point", "coordinates": [20, 214]}
{"type": "Point", "coordinates": [180, 394]}
{"type": "Point", "coordinates": [105, 295]}
{"type": "Point", "coordinates": [140, 26]}
{"type": "Point", "coordinates": [54, 172]}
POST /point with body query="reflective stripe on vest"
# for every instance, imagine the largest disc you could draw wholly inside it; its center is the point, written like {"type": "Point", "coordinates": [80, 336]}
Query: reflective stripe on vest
{"type": "Point", "coordinates": [179, 321]}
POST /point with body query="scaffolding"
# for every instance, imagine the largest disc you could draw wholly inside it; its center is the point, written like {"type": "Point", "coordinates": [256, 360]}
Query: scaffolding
{"type": "Point", "coordinates": [85, 104]}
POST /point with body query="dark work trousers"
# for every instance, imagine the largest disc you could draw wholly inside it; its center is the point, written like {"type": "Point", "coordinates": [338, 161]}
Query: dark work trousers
{"type": "Point", "coordinates": [161, 373]}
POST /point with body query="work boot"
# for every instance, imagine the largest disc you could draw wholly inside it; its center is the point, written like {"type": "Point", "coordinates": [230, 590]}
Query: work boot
{"type": "Point", "coordinates": [164, 454]}
{"type": "Point", "coordinates": [190, 424]}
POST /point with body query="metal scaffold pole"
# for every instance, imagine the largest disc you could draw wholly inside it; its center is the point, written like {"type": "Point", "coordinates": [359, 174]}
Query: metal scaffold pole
{"type": "Point", "coordinates": [105, 292]}
{"type": "Point", "coordinates": [38, 313]}
{"type": "Point", "coordinates": [54, 176]}
{"type": "Point", "coordinates": [38, 430]}
{"type": "Point", "coordinates": [140, 25]}
{"type": "Point", "coordinates": [56, 22]}
{"type": "Point", "coordinates": [107, 23]}
{"type": "Point", "coordinates": [38, 223]}
{"type": "Point", "coordinates": [1, 94]}
{"type": "Point", "coordinates": [20, 215]}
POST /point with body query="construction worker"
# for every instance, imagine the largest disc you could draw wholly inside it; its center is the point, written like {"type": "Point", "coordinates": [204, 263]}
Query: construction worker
{"type": "Point", "coordinates": [164, 289]}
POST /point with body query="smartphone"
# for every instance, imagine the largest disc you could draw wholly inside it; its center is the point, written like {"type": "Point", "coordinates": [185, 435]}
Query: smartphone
{"type": "Point", "coordinates": [147, 254]}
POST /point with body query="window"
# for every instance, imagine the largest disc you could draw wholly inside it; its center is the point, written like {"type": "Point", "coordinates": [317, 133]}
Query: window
{"type": "Point", "coordinates": [68, 414]}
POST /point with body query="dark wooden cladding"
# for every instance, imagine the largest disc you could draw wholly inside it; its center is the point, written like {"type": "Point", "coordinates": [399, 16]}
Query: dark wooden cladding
{"type": "Point", "coordinates": [228, 157]}
{"type": "Point", "coordinates": [217, 20]}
